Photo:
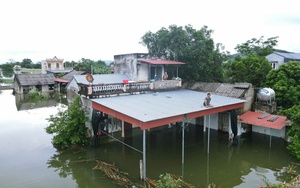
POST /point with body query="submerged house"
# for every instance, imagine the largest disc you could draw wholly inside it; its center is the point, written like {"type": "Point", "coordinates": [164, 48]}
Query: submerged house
{"type": "Point", "coordinates": [263, 118]}
{"type": "Point", "coordinates": [222, 121]}
{"type": "Point", "coordinates": [64, 80]}
{"type": "Point", "coordinates": [23, 83]}
{"type": "Point", "coordinates": [74, 87]}
{"type": "Point", "coordinates": [141, 98]}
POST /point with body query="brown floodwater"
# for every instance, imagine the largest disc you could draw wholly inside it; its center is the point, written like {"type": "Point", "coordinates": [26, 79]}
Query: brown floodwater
{"type": "Point", "coordinates": [28, 158]}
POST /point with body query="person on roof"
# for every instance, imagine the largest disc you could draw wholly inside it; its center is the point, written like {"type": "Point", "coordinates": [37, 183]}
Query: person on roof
{"type": "Point", "coordinates": [207, 100]}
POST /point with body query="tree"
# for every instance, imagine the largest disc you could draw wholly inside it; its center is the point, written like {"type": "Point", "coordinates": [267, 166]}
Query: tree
{"type": "Point", "coordinates": [258, 47]}
{"type": "Point", "coordinates": [26, 63]}
{"type": "Point", "coordinates": [251, 64]}
{"type": "Point", "coordinates": [68, 127]}
{"type": "Point", "coordinates": [194, 47]}
{"type": "Point", "coordinates": [286, 83]}
{"type": "Point", "coordinates": [293, 114]}
{"type": "Point", "coordinates": [87, 65]}
{"type": "Point", "coordinates": [251, 69]}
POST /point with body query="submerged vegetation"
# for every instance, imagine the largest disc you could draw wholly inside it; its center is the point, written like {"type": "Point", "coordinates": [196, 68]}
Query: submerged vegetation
{"type": "Point", "coordinates": [35, 94]}
{"type": "Point", "coordinates": [68, 127]}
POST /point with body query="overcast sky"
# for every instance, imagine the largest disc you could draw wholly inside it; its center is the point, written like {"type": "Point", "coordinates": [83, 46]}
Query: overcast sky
{"type": "Point", "coordinates": [100, 29]}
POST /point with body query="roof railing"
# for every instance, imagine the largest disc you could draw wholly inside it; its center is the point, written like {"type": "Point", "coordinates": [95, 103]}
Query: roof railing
{"type": "Point", "coordinates": [99, 90]}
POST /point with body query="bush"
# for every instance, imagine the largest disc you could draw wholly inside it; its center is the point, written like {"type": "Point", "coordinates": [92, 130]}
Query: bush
{"type": "Point", "coordinates": [68, 127]}
{"type": "Point", "coordinates": [168, 181]}
{"type": "Point", "coordinates": [35, 94]}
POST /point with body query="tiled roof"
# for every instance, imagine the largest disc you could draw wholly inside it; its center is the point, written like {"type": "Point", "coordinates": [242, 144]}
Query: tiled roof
{"type": "Point", "coordinates": [161, 62]}
{"type": "Point", "coordinates": [224, 89]}
{"type": "Point", "coordinates": [70, 75]}
{"type": "Point", "coordinates": [34, 79]}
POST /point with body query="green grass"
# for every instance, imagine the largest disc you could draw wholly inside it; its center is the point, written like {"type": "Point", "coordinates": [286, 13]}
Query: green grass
{"type": "Point", "coordinates": [7, 81]}
{"type": "Point", "coordinates": [31, 71]}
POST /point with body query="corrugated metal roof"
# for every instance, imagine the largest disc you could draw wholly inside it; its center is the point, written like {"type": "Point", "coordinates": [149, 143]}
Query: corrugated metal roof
{"type": "Point", "coordinates": [294, 56]}
{"type": "Point", "coordinates": [59, 71]}
{"type": "Point", "coordinates": [34, 79]}
{"type": "Point", "coordinates": [160, 105]}
{"type": "Point", "coordinates": [70, 75]}
{"type": "Point", "coordinates": [102, 78]}
{"type": "Point", "coordinates": [161, 62]}
{"type": "Point", "coordinates": [61, 80]}
{"type": "Point", "coordinates": [230, 90]}
{"type": "Point", "coordinates": [253, 118]}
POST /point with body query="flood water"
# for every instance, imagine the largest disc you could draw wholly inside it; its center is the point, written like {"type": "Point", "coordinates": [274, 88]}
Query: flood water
{"type": "Point", "coordinates": [28, 159]}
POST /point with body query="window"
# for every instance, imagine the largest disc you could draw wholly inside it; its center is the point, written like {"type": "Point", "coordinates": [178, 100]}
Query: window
{"type": "Point", "coordinates": [57, 65]}
{"type": "Point", "coordinates": [49, 65]}
{"type": "Point", "coordinates": [273, 64]}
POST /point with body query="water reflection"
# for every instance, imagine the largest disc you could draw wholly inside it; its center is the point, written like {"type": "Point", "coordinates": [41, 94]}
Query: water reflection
{"type": "Point", "coordinates": [28, 158]}
{"type": "Point", "coordinates": [23, 102]}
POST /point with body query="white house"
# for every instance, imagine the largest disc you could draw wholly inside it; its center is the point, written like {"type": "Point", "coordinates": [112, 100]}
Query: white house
{"type": "Point", "coordinates": [278, 58]}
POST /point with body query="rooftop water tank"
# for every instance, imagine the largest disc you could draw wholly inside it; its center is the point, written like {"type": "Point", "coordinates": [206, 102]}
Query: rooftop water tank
{"type": "Point", "coordinates": [266, 95]}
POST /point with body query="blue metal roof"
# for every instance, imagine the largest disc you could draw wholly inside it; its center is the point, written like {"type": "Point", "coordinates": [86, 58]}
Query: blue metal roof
{"type": "Point", "coordinates": [294, 56]}
{"type": "Point", "coordinates": [161, 105]}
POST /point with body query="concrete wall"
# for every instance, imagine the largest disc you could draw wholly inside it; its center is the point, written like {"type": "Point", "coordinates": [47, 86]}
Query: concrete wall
{"type": "Point", "coordinates": [268, 131]}
{"type": "Point", "coordinates": [249, 96]}
{"type": "Point", "coordinates": [130, 65]}
{"type": "Point", "coordinates": [212, 121]}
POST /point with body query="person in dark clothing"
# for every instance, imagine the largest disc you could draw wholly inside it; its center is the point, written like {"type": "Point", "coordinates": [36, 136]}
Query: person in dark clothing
{"type": "Point", "coordinates": [207, 100]}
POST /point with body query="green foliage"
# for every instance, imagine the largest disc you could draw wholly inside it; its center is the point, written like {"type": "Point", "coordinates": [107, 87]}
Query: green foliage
{"type": "Point", "coordinates": [286, 83]}
{"type": "Point", "coordinates": [194, 47]}
{"type": "Point", "coordinates": [293, 114]}
{"type": "Point", "coordinates": [168, 181]}
{"type": "Point", "coordinates": [251, 69]}
{"type": "Point", "coordinates": [7, 66]}
{"type": "Point", "coordinates": [68, 127]}
{"type": "Point", "coordinates": [35, 94]}
{"type": "Point", "coordinates": [257, 47]}
{"type": "Point", "coordinates": [26, 63]}
{"type": "Point", "coordinates": [95, 67]}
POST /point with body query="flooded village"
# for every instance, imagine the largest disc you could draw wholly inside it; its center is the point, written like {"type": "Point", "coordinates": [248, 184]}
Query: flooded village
{"type": "Point", "coordinates": [150, 124]}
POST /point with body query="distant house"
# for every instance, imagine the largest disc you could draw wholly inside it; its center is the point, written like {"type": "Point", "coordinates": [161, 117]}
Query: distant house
{"type": "Point", "coordinates": [64, 80]}
{"type": "Point", "coordinates": [54, 65]}
{"type": "Point", "coordinates": [278, 58]}
{"type": "Point", "coordinates": [23, 83]}
{"type": "Point", "coordinates": [142, 67]}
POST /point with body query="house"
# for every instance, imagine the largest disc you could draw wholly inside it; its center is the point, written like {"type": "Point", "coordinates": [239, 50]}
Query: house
{"type": "Point", "coordinates": [54, 65]}
{"type": "Point", "coordinates": [142, 67]}
{"type": "Point", "coordinates": [278, 58]}
{"type": "Point", "coordinates": [23, 83]}
{"type": "Point", "coordinates": [221, 121]}
{"type": "Point", "coordinates": [73, 87]}
{"type": "Point", "coordinates": [64, 80]}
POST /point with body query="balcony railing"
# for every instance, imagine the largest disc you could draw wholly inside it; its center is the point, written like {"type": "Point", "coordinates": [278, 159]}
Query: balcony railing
{"type": "Point", "coordinates": [95, 91]}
